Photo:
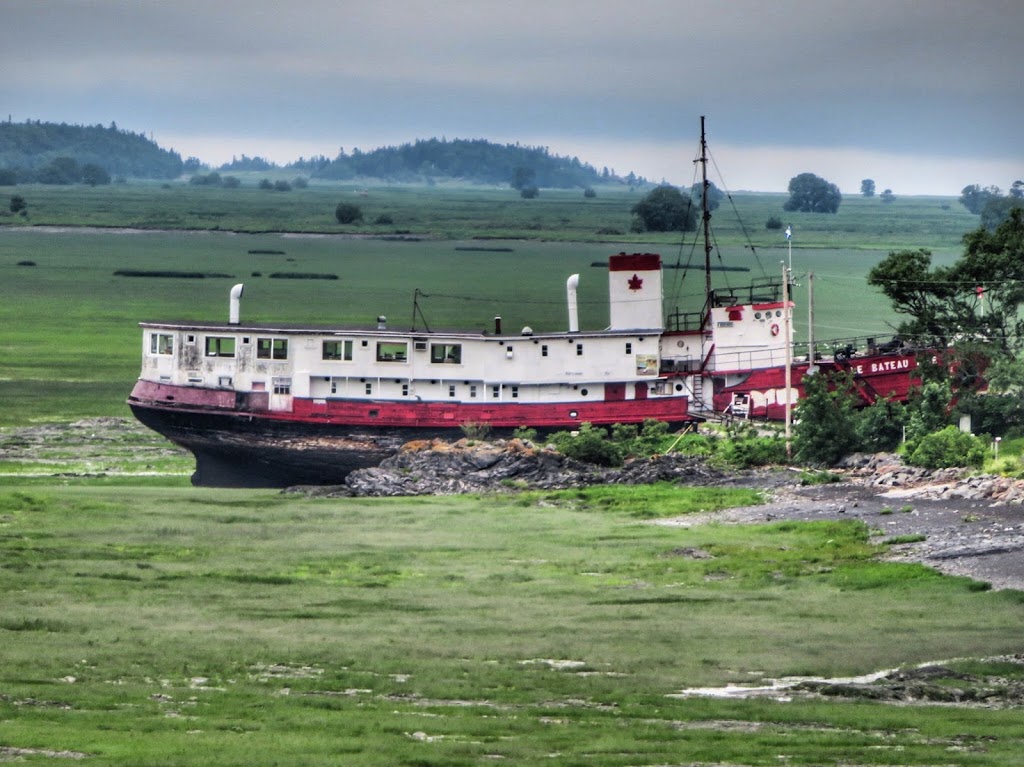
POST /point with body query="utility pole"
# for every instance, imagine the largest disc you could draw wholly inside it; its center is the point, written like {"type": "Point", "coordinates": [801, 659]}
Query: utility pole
{"type": "Point", "coordinates": [789, 361]}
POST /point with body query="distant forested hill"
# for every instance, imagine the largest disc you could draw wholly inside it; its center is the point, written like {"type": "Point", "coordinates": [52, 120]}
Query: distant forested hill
{"type": "Point", "coordinates": [49, 153]}
{"type": "Point", "coordinates": [473, 160]}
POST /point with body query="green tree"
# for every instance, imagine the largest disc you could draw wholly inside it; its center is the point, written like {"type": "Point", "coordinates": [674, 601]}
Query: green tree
{"type": "Point", "coordinates": [997, 210]}
{"type": "Point", "coordinates": [715, 195]}
{"type": "Point", "coordinates": [887, 196]}
{"type": "Point", "coordinates": [348, 213]}
{"type": "Point", "coordinates": [18, 204]}
{"type": "Point", "coordinates": [974, 198]}
{"type": "Point", "coordinates": [94, 175]}
{"type": "Point", "coordinates": [826, 427]}
{"type": "Point", "coordinates": [666, 209]}
{"type": "Point", "coordinates": [812, 194]}
{"type": "Point", "coordinates": [867, 187]}
{"type": "Point", "coordinates": [880, 426]}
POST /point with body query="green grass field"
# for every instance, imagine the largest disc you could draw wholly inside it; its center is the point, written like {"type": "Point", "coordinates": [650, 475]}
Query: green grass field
{"type": "Point", "coordinates": [153, 626]}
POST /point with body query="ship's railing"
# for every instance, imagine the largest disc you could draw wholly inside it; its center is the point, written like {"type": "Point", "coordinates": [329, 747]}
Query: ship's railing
{"type": "Point", "coordinates": [842, 349]}
{"type": "Point", "coordinates": [761, 290]}
{"type": "Point", "coordinates": [749, 360]}
{"type": "Point", "coordinates": [839, 349]}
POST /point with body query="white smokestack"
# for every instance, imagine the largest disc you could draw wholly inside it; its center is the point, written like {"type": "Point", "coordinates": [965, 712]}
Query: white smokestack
{"type": "Point", "coordinates": [236, 301]}
{"type": "Point", "coordinates": [570, 295]}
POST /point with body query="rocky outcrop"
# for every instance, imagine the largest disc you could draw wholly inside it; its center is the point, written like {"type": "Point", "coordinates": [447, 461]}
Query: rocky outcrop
{"type": "Point", "coordinates": [446, 468]}
{"type": "Point", "coordinates": [888, 473]}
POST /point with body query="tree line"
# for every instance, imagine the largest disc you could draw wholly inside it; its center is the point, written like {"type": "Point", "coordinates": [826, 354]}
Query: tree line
{"type": "Point", "coordinates": [52, 153]}
{"type": "Point", "coordinates": [474, 160]}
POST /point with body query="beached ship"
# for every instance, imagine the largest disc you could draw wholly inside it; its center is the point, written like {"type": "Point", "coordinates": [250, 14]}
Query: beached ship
{"type": "Point", "coordinates": [263, 404]}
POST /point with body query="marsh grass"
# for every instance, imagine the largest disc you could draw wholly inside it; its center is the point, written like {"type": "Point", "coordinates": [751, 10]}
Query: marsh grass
{"type": "Point", "coordinates": [148, 625]}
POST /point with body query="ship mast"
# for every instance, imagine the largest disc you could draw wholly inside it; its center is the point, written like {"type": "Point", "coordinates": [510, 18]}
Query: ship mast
{"type": "Point", "coordinates": [705, 213]}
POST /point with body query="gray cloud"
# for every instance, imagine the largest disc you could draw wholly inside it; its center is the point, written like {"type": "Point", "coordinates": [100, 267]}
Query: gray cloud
{"type": "Point", "coordinates": [933, 76]}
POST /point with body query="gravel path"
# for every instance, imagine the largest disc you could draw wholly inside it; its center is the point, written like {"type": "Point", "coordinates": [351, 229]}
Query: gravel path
{"type": "Point", "coordinates": [979, 540]}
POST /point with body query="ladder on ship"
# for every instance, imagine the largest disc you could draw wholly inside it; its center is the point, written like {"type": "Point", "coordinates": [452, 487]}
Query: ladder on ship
{"type": "Point", "coordinates": [697, 396]}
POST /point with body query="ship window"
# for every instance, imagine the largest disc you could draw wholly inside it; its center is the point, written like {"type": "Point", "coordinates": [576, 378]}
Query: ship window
{"type": "Point", "coordinates": [334, 386]}
{"type": "Point", "coordinates": [544, 350]}
{"type": "Point", "coordinates": [369, 389]}
{"type": "Point", "coordinates": [515, 392]}
{"type": "Point", "coordinates": [472, 391]}
{"type": "Point", "coordinates": [224, 382]}
{"type": "Point", "coordinates": [629, 348]}
{"type": "Point", "coordinates": [190, 339]}
{"type": "Point", "coordinates": [337, 350]}
{"type": "Point", "coordinates": [451, 390]}
{"type": "Point", "coordinates": [451, 353]}
{"type": "Point", "coordinates": [282, 385]}
{"type": "Point", "coordinates": [389, 351]}
{"type": "Point", "coordinates": [272, 348]}
{"type": "Point", "coordinates": [161, 343]}
{"type": "Point", "coordinates": [496, 391]}
{"type": "Point", "coordinates": [220, 346]}
{"type": "Point", "coordinates": [579, 350]}
{"type": "Point", "coordinates": [405, 390]}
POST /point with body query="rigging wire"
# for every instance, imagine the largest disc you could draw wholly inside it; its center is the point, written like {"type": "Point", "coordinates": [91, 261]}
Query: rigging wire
{"type": "Point", "coordinates": [743, 228]}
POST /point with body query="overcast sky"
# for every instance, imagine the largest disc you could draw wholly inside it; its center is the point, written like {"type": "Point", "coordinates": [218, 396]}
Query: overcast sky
{"type": "Point", "coordinates": [923, 96]}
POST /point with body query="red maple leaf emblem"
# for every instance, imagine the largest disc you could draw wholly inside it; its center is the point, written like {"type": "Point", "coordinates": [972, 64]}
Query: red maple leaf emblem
{"type": "Point", "coordinates": [635, 283]}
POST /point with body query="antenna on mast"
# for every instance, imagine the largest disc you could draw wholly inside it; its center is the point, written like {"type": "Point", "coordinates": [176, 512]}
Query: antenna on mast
{"type": "Point", "coordinates": [705, 213]}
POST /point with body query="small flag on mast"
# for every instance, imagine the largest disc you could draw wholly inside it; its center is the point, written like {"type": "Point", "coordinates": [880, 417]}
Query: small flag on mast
{"type": "Point", "coordinates": [789, 232]}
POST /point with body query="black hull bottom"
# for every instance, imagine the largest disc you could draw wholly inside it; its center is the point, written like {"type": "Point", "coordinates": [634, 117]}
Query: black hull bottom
{"type": "Point", "coordinates": [241, 451]}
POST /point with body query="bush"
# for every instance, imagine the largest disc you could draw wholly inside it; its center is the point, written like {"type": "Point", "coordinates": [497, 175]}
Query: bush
{"type": "Point", "coordinates": [773, 223]}
{"type": "Point", "coordinates": [590, 445]}
{"type": "Point", "coordinates": [748, 449]}
{"type": "Point", "coordinates": [384, 219]}
{"type": "Point", "coordinates": [880, 426]}
{"type": "Point", "coordinates": [826, 426]}
{"type": "Point", "coordinates": [348, 213]}
{"type": "Point", "coordinates": [529, 192]}
{"type": "Point", "coordinates": [946, 448]}
{"type": "Point", "coordinates": [589, 193]}
{"type": "Point", "coordinates": [525, 433]}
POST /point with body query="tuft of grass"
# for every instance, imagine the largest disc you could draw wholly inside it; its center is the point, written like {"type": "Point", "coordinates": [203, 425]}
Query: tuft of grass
{"type": "Point", "coordinates": [896, 540]}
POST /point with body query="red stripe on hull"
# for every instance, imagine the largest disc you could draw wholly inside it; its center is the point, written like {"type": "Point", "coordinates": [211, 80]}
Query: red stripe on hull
{"type": "Point", "coordinates": [438, 415]}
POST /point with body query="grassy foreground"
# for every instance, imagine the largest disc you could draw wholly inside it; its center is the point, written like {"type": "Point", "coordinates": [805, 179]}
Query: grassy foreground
{"type": "Point", "coordinates": [161, 625]}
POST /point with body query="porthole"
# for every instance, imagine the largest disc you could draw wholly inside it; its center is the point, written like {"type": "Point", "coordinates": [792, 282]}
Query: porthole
{"type": "Point", "coordinates": [679, 387]}
{"type": "Point", "coordinates": [778, 312]}
{"type": "Point", "coordinates": [757, 315]}
{"type": "Point", "coordinates": [583, 392]}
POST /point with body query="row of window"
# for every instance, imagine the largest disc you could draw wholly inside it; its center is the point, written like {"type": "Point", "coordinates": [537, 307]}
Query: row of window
{"type": "Point", "coordinates": [511, 390]}
{"type": "Point", "coordinates": [277, 349]}
{"type": "Point", "coordinates": [223, 346]}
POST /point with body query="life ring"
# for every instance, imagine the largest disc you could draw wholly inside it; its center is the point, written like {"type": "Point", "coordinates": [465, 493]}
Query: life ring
{"type": "Point", "coordinates": [680, 344]}
{"type": "Point", "coordinates": [775, 330]}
